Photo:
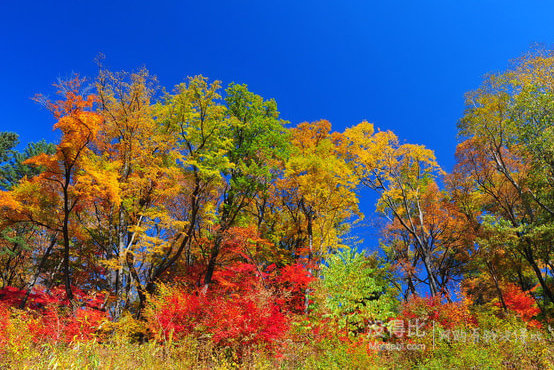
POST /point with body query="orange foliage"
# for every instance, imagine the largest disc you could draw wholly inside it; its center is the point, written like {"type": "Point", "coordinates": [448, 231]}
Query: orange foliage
{"type": "Point", "coordinates": [522, 303]}
{"type": "Point", "coordinates": [429, 310]}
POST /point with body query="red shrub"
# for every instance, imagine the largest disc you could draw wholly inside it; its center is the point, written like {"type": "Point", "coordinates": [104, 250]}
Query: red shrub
{"type": "Point", "coordinates": [431, 310]}
{"type": "Point", "coordinates": [244, 307]}
{"type": "Point", "coordinates": [291, 283]}
{"type": "Point", "coordinates": [522, 303]}
{"type": "Point", "coordinates": [52, 318]}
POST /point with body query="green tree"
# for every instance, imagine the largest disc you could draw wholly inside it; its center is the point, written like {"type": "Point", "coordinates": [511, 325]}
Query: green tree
{"type": "Point", "coordinates": [15, 169]}
{"type": "Point", "coordinates": [355, 290]}
{"type": "Point", "coordinates": [8, 141]}
{"type": "Point", "coordinates": [258, 140]}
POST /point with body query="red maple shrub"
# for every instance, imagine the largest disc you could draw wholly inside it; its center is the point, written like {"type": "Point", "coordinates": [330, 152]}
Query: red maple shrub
{"type": "Point", "coordinates": [244, 307]}
{"type": "Point", "coordinates": [292, 282]}
{"type": "Point", "coordinates": [50, 317]}
{"type": "Point", "coordinates": [521, 303]}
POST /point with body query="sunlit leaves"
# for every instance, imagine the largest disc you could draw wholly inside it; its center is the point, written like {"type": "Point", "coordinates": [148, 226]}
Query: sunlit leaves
{"type": "Point", "coordinates": [507, 161]}
{"type": "Point", "coordinates": [354, 290]}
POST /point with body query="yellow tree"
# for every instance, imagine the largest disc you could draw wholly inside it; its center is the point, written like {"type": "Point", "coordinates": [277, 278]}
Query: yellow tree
{"type": "Point", "coordinates": [195, 116]}
{"type": "Point", "coordinates": [317, 192]}
{"type": "Point", "coordinates": [53, 198]}
{"type": "Point", "coordinates": [134, 229]}
{"type": "Point", "coordinates": [403, 175]}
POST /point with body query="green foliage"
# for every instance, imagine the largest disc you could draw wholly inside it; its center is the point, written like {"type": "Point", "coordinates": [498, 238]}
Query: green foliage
{"type": "Point", "coordinates": [197, 119]}
{"type": "Point", "coordinates": [15, 169]}
{"type": "Point", "coordinates": [355, 290]}
{"type": "Point", "coordinates": [8, 141]}
{"type": "Point", "coordinates": [259, 142]}
{"type": "Point", "coordinates": [257, 133]}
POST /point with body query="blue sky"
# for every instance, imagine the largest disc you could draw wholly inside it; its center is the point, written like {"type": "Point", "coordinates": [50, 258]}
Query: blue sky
{"type": "Point", "coordinates": [403, 65]}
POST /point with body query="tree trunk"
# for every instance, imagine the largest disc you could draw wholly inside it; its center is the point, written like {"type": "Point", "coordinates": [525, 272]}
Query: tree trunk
{"type": "Point", "coordinates": [212, 262]}
{"type": "Point", "coordinates": [66, 242]}
{"type": "Point", "coordinates": [432, 281]}
{"type": "Point", "coordinates": [39, 270]}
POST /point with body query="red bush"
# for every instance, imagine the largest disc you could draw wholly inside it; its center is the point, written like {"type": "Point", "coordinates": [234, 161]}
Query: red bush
{"type": "Point", "coordinates": [244, 307]}
{"type": "Point", "coordinates": [522, 303]}
{"type": "Point", "coordinates": [52, 318]}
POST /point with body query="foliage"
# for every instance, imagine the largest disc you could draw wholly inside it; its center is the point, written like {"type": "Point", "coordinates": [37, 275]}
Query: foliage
{"type": "Point", "coordinates": [195, 228]}
{"type": "Point", "coordinates": [242, 313]}
{"type": "Point", "coordinates": [50, 317]}
{"type": "Point", "coordinates": [15, 169]}
{"type": "Point", "coordinates": [522, 303]}
{"type": "Point", "coordinates": [431, 311]}
{"type": "Point", "coordinates": [368, 297]}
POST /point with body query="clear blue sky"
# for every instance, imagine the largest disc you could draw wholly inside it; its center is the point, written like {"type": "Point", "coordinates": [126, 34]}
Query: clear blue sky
{"type": "Point", "coordinates": [403, 65]}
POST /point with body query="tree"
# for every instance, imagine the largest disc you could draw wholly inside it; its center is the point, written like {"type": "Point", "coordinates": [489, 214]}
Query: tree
{"type": "Point", "coordinates": [8, 141]}
{"type": "Point", "coordinates": [196, 117]}
{"type": "Point", "coordinates": [450, 240]}
{"type": "Point", "coordinates": [14, 169]}
{"type": "Point", "coordinates": [355, 290]}
{"type": "Point", "coordinates": [404, 176]}
{"type": "Point", "coordinates": [20, 240]}
{"type": "Point", "coordinates": [258, 139]}
{"type": "Point", "coordinates": [133, 225]}
{"type": "Point", "coordinates": [318, 189]}
{"type": "Point", "coordinates": [508, 156]}
{"type": "Point", "coordinates": [52, 198]}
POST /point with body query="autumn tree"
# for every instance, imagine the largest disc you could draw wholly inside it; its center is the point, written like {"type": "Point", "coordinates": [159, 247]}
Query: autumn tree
{"type": "Point", "coordinates": [196, 117]}
{"type": "Point", "coordinates": [507, 155]}
{"type": "Point", "coordinates": [132, 224]}
{"type": "Point", "coordinates": [404, 177]}
{"type": "Point", "coordinates": [315, 197]}
{"type": "Point", "coordinates": [19, 240]}
{"type": "Point", "coordinates": [52, 198]}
